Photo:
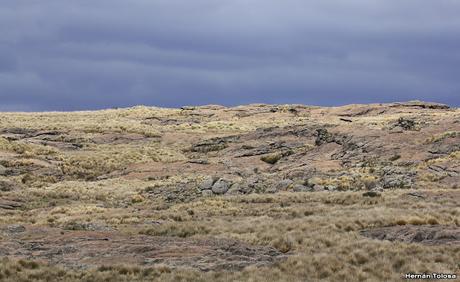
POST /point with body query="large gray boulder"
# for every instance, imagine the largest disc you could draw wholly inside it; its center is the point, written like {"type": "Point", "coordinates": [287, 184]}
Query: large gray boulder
{"type": "Point", "coordinates": [397, 177]}
{"type": "Point", "coordinates": [207, 183]}
{"type": "Point", "coordinates": [282, 185]}
{"type": "Point", "coordinates": [220, 187]}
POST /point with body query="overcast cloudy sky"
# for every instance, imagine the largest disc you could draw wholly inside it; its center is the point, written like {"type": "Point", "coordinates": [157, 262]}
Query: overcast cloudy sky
{"type": "Point", "coordinates": [87, 54]}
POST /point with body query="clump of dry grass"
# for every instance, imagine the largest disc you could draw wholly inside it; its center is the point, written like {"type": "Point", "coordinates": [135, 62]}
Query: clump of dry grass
{"type": "Point", "coordinates": [284, 244]}
{"type": "Point", "coordinates": [272, 159]}
{"type": "Point", "coordinates": [25, 149]}
{"type": "Point", "coordinates": [442, 136]}
{"type": "Point", "coordinates": [415, 220]}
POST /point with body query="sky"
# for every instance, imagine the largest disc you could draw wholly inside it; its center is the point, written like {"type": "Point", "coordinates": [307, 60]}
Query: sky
{"type": "Point", "coordinates": [86, 54]}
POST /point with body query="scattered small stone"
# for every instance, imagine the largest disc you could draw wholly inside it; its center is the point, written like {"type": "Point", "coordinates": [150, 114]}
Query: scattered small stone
{"type": "Point", "coordinates": [245, 188]}
{"type": "Point", "coordinates": [317, 187]}
{"type": "Point", "coordinates": [300, 188]}
{"type": "Point", "coordinates": [330, 188]}
{"type": "Point", "coordinates": [271, 190]}
{"type": "Point", "coordinates": [15, 228]}
{"type": "Point", "coordinates": [252, 181]}
{"type": "Point", "coordinates": [283, 184]}
{"type": "Point", "coordinates": [206, 193]}
{"type": "Point", "coordinates": [397, 177]}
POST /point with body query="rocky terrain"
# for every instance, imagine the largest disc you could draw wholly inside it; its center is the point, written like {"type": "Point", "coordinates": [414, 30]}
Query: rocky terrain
{"type": "Point", "coordinates": [256, 192]}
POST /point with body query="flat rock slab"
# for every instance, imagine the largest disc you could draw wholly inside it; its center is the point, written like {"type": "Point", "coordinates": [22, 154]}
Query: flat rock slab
{"type": "Point", "coordinates": [9, 205]}
{"type": "Point", "coordinates": [430, 235]}
{"type": "Point", "coordinates": [121, 138]}
{"type": "Point", "coordinates": [86, 249]}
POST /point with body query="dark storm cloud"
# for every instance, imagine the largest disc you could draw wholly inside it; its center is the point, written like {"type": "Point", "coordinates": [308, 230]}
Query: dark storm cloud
{"type": "Point", "coordinates": [93, 54]}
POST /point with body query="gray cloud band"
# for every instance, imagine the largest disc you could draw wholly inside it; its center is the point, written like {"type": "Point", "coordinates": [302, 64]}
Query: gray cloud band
{"type": "Point", "coordinates": [66, 55]}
